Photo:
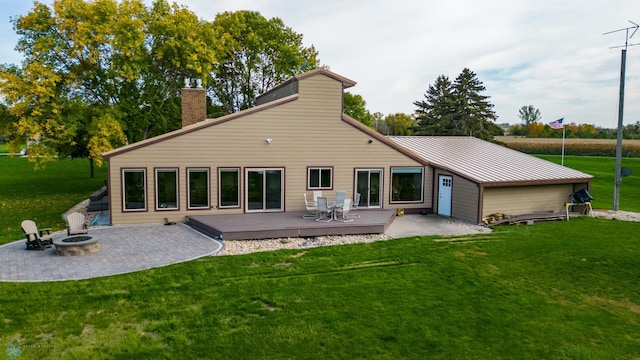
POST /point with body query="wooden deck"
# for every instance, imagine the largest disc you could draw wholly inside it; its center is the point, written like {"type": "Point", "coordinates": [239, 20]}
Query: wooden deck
{"type": "Point", "coordinates": [288, 224]}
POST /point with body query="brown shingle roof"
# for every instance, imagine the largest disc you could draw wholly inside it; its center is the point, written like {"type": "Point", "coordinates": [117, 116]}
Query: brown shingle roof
{"type": "Point", "coordinates": [486, 162]}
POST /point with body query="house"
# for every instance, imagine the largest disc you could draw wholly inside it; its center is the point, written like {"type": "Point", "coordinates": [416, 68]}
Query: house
{"type": "Point", "coordinates": [296, 140]}
{"type": "Point", "coordinates": [474, 179]}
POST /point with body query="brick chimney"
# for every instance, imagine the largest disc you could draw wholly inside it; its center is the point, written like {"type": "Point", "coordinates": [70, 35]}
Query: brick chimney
{"type": "Point", "coordinates": [194, 103]}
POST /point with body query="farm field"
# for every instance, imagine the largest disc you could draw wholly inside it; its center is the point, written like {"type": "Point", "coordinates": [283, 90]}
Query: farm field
{"type": "Point", "coordinates": [573, 146]}
{"type": "Point", "coordinates": [522, 139]}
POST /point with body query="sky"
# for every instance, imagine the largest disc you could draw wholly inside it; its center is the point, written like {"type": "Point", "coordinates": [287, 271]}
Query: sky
{"type": "Point", "coordinates": [546, 53]}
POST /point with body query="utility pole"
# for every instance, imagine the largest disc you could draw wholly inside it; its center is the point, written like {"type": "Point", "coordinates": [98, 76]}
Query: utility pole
{"type": "Point", "coordinates": [623, 63]}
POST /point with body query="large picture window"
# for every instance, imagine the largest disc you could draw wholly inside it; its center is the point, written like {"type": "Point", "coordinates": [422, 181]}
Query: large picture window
{"type": "Point", "coordinates": [134, 196]}
{"type": "Point", "coordinates": [198, 188]}
{"type": "Point", "coordinates": [166, 189]}
{"type": "Point", "coordinates": [319, 178]}
{"type": "Point", "coordinates": [406, 184]}
{"type": "Point", "coordinates": [229, 187]}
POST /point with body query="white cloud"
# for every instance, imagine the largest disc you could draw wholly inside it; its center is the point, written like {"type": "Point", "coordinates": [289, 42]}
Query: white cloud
{"type": "Point", "coordinates": [549, 54]}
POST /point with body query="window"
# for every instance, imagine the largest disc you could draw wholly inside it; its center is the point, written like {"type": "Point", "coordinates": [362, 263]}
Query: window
{"type": "Point", "coordinates": [229, 187]}
{"type": "Point", "coordinates": [264, 189]}
{"type": "Point", "coordinates": [320, 178]}
{"type": "Point", "coordinates": [135, 192]}
{"type": "Point", "coordinates": [198, 188]}
{"type": "Point", "coordinates": [406, 184]}
{"type": "Point", "coordinates": [166, 189]}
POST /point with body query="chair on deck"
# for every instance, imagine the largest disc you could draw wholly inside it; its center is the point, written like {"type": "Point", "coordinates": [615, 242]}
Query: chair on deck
{"type": "Point", "coordinates": [76, 224]}
{"type": "Point", "coordinates": [354, 205]}
{"type": "Point", "coordinates": [340, 196]}
{"type": "Point", "coordinates": [342, 213]}
{"type": "Point", "coordinates": [37, 239]}
{"type": "Point", "coordinates": [324, 212]}
{"type": "Point", "coordinates": [310, 206]}
{"type": "Point", "coordinates": [316, 195]}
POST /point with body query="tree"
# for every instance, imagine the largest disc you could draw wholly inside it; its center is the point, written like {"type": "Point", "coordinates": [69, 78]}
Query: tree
{"type": "Point", "coordinates": [356, 107]}
{"type": "Point", "coordinates": [435, 114]}
{"type": "Point", "coordinates": [255, 55]}
{"type": "Point", "coordinates": [119, 57]}
{"type": "Point", "coordinates": [529, 114]}
{"type": "Point", "coordinates": [474, 112]}
{"type": "Point", "coordinates": [456, 109]}
{"type": "Point", "coordinates": [399, 123]}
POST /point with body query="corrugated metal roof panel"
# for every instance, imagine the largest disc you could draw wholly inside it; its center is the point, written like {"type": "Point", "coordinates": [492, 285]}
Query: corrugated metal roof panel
{"type": "Point", "coordinates": [485, 162]}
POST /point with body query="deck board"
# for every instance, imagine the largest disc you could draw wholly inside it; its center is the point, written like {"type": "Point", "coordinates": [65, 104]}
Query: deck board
{"type": "Point", "coordinates": [287, 224]}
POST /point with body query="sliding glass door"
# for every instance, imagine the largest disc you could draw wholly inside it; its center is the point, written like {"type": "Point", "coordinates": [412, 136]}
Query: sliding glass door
{"type": "Point", "coordinates": [369, 185]}
{"type": "Point", "coordinates": [264, 190]}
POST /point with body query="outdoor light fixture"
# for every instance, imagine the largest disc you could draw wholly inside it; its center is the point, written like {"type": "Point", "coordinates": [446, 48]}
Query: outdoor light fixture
{"type": "Point", "coordinates": [370, 141]}
{"type": "Point", "coordinates": [268, 140]}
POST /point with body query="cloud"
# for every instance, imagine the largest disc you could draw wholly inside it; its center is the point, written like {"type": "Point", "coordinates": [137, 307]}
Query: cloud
{"type": "Point", "coordinates": [549, 54]}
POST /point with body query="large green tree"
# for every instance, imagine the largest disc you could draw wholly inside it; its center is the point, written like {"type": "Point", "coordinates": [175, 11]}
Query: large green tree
{"type": "Point", "coordinates": [457, 108]}
{"type": "Point", "coordinates": [356, 107]}
{"type": "Point", "coordinates": [436, 111]}
{"type": "Point", "coordinates": [399, 124]}
{"type": "Point", "coordinates": [255, 55]}
{"type": "Point", "coordinates": [100, 73]}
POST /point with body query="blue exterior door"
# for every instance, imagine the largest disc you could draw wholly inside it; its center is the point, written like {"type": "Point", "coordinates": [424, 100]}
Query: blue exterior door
{"type": "Point", "coordinates": [444, 195]}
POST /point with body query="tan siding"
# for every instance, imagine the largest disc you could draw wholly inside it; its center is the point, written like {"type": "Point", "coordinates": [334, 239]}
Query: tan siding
{"type": "Point", "coordinates": [525, 199]}
{"type": "Point", "coordinates": [305, 132]}
{"type": "Point", "coordinates": [464, 196]}
{"type": "Point", "coordinates": [464, 199]}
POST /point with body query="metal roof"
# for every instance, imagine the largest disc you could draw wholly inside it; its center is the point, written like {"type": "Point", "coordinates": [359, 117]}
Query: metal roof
{"type": "Point", "coordinates": [486, 162]}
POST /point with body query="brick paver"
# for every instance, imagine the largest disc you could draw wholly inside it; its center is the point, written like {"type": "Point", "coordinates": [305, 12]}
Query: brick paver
{"type": "Point", "coordinates": [123, 249]}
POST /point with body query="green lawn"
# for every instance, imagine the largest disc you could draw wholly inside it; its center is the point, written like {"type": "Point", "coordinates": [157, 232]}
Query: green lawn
{"type": "Point", "coordinates": [556, 290]}
{"type": "Point", "coordinates": [603, 170]}
{"type": "Point", "coordinates": [42, 195]}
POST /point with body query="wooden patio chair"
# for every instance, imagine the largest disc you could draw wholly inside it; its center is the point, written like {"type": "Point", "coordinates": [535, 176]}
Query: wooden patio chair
{"type": "Point", "coordinates": [76, 224]}
{"type": "Point", "coordinates": [37, 239]}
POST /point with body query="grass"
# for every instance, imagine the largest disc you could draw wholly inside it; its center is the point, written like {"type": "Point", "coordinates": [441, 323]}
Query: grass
{"type": "Point", "coordinates": [564, 290]}
{"type": "Point", "coordinates": [42, 195]}
{"type": "Point", "coordinates": [603, 171]}
{"type": "Point", "coordinates": [557, 290]}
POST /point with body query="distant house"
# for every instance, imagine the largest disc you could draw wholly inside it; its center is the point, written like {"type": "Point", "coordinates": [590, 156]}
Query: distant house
{"type": "Point", "coordinates": [296, 140]}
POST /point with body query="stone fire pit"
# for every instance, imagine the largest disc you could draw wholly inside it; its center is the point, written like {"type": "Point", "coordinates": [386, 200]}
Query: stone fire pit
{"type": "Point", "coordinates": [77, 245]}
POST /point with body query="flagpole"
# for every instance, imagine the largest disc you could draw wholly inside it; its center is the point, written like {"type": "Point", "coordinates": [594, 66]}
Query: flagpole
{"type": "Point", "coordinates": [562, 161]}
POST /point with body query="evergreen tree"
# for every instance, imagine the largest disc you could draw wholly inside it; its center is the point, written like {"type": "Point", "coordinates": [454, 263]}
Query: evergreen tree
{"type": "Point", "coordinates": [456, 109]}
{"type": "Point", "coordinates": [435, 114]}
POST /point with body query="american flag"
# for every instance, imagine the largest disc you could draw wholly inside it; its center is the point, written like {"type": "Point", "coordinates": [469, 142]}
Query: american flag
{"type": "Point", "coordinates": [557, 125]}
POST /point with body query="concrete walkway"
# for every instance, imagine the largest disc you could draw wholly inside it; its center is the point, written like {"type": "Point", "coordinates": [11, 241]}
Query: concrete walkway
{"type": "Point", "coordinates": [123, 249]}
{"type": "Point", "coordinates": [425, 225]}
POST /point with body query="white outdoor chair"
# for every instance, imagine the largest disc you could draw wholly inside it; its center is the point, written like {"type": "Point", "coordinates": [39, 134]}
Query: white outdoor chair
{"type": "Point", "coordinates": [311, 206]}
{"type": "Point", "coordinates": [342, 213]}
{"type": "Point", "coordinates": [316, 195]}
{"type": "Point", "coordinates": [354, 205]}
{"type": "Point", "coordinates": [340, 196]}
{"type": "Point", "coordinates": [76, 224]}
{"type": "Point", "coordinates": [37, 239]}
{"type": "Point", "coordinates": [324, 212]}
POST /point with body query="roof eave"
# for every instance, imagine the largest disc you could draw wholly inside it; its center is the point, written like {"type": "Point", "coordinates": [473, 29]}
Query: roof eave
{"type": "Point", "coordinates": [487, 184]}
